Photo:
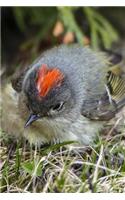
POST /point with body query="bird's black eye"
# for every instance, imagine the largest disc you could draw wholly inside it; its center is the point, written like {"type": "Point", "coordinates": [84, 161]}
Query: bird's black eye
{"type": "Point", "coordinates": [57, 107]}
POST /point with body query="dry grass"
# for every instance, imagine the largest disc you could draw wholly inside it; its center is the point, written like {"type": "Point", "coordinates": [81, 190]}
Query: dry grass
{"type": "Point", "coordinates": [100, 168]}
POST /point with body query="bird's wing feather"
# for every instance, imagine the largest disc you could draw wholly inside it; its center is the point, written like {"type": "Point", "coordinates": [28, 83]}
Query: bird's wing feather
{"type": "Point", "coordinates": [110, 102]}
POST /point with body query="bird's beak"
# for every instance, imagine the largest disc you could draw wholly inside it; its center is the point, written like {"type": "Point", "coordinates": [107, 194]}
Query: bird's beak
{"type": "Point", "coordinates": [31, 119]}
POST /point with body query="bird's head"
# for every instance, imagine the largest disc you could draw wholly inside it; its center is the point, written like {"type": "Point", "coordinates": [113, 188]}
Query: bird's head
{"type": "Point", "coordinates": [48, 93]}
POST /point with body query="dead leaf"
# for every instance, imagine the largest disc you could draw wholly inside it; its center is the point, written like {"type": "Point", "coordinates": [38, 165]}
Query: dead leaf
{"type": "Point", "coordinates": [58, 29]}
{"type": "Point", "coordinates": [86, 41]}
{"type": "Point", "coordinates": [68, 38]}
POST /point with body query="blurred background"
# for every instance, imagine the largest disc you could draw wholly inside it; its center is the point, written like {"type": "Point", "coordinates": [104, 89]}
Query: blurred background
{"type": "Point", "coordinates": [28, 31]}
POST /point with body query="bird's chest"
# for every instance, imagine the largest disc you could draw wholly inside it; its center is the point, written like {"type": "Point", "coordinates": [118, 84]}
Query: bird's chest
{"type": "Point", "coordinates": [55, 131]}
{"type": "Point", "coordinates": [48, 131]}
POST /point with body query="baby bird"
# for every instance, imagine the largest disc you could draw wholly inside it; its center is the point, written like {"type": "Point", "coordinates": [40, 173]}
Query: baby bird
{"type": "Point", "coordinates": [67, 94]}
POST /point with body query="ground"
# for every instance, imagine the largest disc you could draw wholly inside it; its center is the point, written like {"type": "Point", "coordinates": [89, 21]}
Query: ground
{"type": "Point", "coordinates": [56, 168]}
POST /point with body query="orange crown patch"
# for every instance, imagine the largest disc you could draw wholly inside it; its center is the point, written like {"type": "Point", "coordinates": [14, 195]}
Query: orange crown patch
{"type": "Point", "coordinates": [47, 79]}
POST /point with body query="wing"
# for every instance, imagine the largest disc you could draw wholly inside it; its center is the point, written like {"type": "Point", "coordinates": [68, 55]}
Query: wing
{"type": "Point", "coordinates": [110, 102]}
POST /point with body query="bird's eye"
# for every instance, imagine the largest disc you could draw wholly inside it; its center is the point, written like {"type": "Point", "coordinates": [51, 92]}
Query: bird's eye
{"type": "Point", "coordinates": [58, 106]}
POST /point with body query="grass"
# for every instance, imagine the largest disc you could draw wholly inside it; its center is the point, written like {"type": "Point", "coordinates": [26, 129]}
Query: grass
{"type": "Point", "coordinates": [97, 168]}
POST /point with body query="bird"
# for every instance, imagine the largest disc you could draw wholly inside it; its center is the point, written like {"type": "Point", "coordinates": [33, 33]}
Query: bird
{"type": "Point", "coordinates": [67, 94]}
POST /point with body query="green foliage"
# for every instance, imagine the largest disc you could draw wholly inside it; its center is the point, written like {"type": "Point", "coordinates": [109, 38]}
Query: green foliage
{"type": "Point", "coordinates": [35, 16]}
{"type": "Point", "coordinates": [55, 147]}
{"type": "Point", "coordinates": [55, 168]}
{"type": "Point", "coordinates": [100, 28]}
{"type": "Point", "coordinates": [30, 167]}
{"type": "Point", "coordinates": [36, 24]}
{"type": "Point", "coordinates": [67, 16]}
{"type": "Point", "coordinates": [40, 22]}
